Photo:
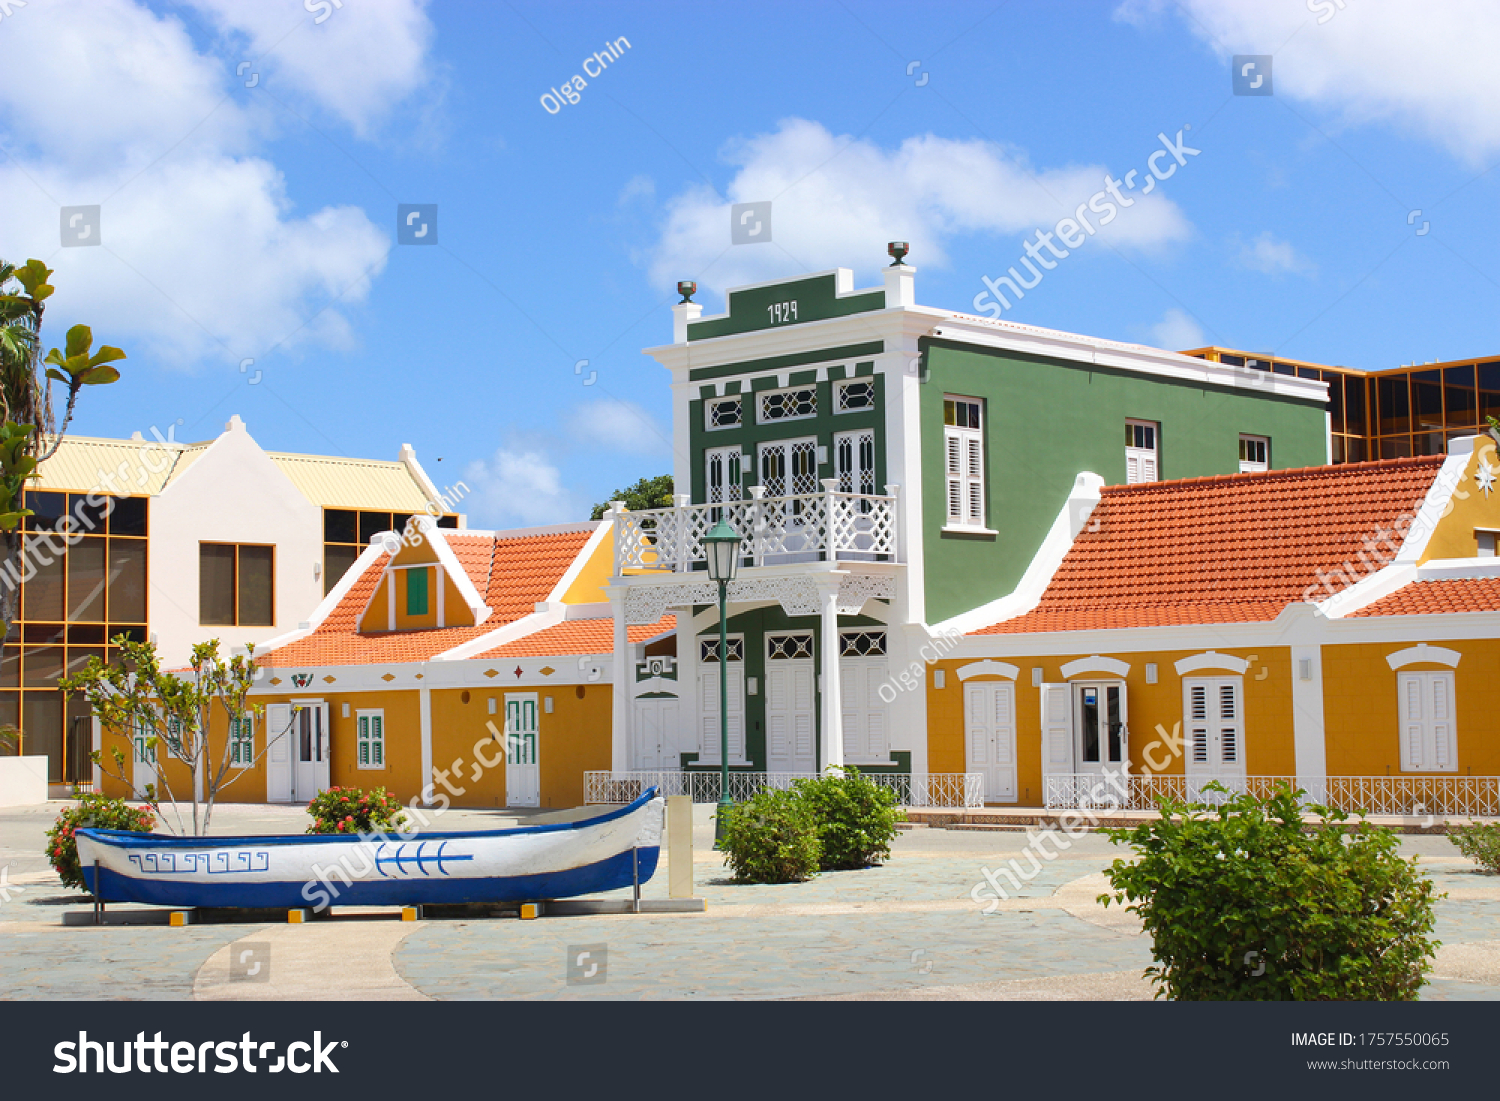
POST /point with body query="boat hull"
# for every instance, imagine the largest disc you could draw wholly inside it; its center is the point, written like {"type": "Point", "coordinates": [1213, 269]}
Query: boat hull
{"type": "Point", "coordinates": [564, 860]}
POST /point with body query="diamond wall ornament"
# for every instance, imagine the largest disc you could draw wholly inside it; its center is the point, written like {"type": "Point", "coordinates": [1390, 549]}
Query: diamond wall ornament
{"type": "Point", "coordinates": [492, 672]}
{"type": "Point", "coordinates": [275, 680]}
{"type": "Point", "coordinates": [547, 670]}
{"type": "Point", "coordinates": [388, 677]}
{"type": "Point", "coordinates": [329, 680]}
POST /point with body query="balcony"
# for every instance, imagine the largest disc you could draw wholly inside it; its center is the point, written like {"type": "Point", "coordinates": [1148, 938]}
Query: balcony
{"type": "Point", "coordinates": [830, 526]}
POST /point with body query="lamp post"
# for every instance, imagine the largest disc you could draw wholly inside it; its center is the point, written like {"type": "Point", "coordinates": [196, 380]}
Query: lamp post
{"type": "Point", "coordinates": [722, 546]}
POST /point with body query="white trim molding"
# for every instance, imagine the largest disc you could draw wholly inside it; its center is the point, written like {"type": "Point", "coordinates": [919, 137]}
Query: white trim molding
{"type": "Point", "coordinates": [1096, 664]}
{"type": "Point", "coordinates": [1413, 655]}
{"type": "Point", "coordinates": [1210, 659]}
{"type": "Point", "coordinates": [988, 668]}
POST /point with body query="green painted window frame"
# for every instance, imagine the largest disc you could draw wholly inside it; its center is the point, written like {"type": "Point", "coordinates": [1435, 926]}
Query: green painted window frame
{"type": "Point", "coordinates": [418, 592]}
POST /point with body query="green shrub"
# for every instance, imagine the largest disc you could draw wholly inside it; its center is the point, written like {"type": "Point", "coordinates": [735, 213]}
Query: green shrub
{"type": "Point", "coordinates": [856, 818]}
{"type": "Point", "coordinates": [1245, 902]}
{"type": "Point", "coordinates": [1480, 843]}
{"type": "Point", "coordinates": [771, 839]}
{"type": "Point", "coordinates": [96, 812]}
{"type": "Point", "coordinates": [349, 810]}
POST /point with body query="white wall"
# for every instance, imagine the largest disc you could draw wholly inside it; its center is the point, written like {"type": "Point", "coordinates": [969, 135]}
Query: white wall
{"type": "Point", "coordinates": [23, 781]}
{"type": "Point", "coordinates": [233, 493]}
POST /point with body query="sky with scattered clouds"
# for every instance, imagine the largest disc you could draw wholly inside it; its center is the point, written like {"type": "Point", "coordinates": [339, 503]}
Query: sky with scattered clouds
{"type": "Point", "coordinates": [248, 157]}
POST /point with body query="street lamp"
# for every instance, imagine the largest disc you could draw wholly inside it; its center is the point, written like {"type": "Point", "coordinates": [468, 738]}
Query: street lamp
{"type": "Point", "coordinates": [722, 546]}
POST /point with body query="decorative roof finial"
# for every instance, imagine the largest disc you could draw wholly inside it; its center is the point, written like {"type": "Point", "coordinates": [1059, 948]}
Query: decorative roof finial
{"type": "Point", "coordinates": [687, 289]}
{"type": "Point", "coordinates": [898, 249]}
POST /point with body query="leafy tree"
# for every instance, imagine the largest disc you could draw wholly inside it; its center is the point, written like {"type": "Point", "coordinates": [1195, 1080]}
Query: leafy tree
{"type": "Point", "coordinates": [29, 432]}
{"type": "Point", "coordinates": [646, 493]}
{"type": "Point", "coordinates": [137, 698]}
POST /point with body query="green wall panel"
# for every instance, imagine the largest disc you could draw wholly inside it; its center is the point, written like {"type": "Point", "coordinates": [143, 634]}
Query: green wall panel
{"type": "Point", "coordinates": [1049, 420]}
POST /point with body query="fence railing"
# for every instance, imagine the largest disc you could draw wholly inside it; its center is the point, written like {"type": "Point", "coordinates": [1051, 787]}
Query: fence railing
{"type": "Point", "coordinates": [1418, 796]}
{"type": "Point", "coordinates": [937, 789]}
{"type": "Point", "coordinates": [807, 527]}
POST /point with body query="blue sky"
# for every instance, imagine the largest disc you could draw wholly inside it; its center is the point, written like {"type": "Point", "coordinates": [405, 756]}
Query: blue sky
{"type": "Point", "coordinates": [259, 223]}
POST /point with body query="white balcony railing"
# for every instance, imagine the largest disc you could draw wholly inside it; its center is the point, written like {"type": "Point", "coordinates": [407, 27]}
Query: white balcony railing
{"type": "Point", "coordinates": [807, 527]}
{"type": "Point", "coordinates": [937, 789]}
{"type": "Point", "coordinates": [1417, 796]}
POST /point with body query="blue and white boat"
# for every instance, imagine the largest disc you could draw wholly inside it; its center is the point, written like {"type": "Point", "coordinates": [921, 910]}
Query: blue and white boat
{"type": "Point", "coordinates": [600, 852]}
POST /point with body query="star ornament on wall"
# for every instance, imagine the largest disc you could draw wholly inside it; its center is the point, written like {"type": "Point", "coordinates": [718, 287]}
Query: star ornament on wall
{"type": "Point", "coordinates": [1484, 474]}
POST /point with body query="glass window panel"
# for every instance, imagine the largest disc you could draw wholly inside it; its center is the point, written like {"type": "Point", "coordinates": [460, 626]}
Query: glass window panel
{"type": "Point", "coordinates": [86, 634]}
{"type": "Point", "coordinates": [1338, 449]}
{"type": "Point", "coordinates": [1233, 361]}
{"type": "Point", "coordinates": [86, 579]}
{"type": "Point", "coordinates": [134, 634]}
{"type": "Point", "coordinates": [336, 563]}
{"type": "Point", "coordinates": [256, 587]}
{"type": "Point", "coordinates": [340, 526]}
{"type": "Point", "coordinates": [1489, 390]}
{"type": "Point", "coordinates": [78, 657]}
{"type": "Point", "coordinates": [94, 518]}
{"type": "Point", "coordinates": [1335, 399]}
{"type": "Point", "coordinates": [42, 724]}
{"type": "Point", "coordinates": [1396, 448]}
{"type": "Point", "coordinates": [10, 719]}
{"type": "Point", "coordinates": [1309, 372]}
{"type": "Point", "coordinates": [1429, 443]}
{"type": "Point", "coordinates": [372, 524]}
{"type": "Point", "coordinates": [1458, 397]}
{"type": "Point", "coordinates": [1395, 405]}
{"type": "Point", "coordinates": [1354, 407]}
{"type": "Point", "coordinates": [10, 667]}
{"type": "Point", "coordinates": [48, 508]}
{"type": "Point", "coordinates": [41, 634]}
{"type": "Point", "coordinates": [43, 591]}
{"type": "Point", "coordinates": [1427, 398]}
{"type": "Point", "coordinates": [447, 521]}
{"type": "Point", "coordinates": [216, 584]}
{"type": "Point", "coordinates": [41, 666]}
{"type": "Point", "coordinates": [1283, 368]}
{"type": "Point", "coordinates": [128, 517]}
{"type": "Point", "coordinates": [127, 581]}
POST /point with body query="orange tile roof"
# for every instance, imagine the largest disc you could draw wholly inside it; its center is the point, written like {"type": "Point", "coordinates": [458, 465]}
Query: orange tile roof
{"type": "Point", "coordinates": [511, 574]}
{"type": "Point", "coordinates": [1471, 594]}
{"type": "Point", "coordinates": [1235, 548]}
{"type": "Point", "coordinates": [578, 636]}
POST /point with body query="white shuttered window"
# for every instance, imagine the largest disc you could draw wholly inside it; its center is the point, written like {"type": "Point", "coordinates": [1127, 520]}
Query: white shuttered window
{"type": "Point", "coordinates": [1428, 742]}
{"type": "Point", "coordinates": [1214, 710]}
{"type": "Point", "coordinates": [371, 740]}
{"type": "Point", "coordinates": [963, 456]}
{"type": "Point", "coordinates": [1142, 456]}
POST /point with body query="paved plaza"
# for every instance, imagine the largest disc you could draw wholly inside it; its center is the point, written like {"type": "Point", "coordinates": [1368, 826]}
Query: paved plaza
{"type": "Point", "coordinates": [908, 930]}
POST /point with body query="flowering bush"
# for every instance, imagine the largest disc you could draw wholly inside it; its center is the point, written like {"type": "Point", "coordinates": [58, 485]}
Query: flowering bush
{"type": "Point", "coordinates": [92, 811]}
{"type": "Point", "coordinates": [349, 810]}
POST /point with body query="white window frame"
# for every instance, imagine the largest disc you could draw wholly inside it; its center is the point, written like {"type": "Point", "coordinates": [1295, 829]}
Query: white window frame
{"type": "Point", "coordinates": [1429, 738]}
{"type": "Point", "coordinates": [1486, 542]}
{"type": "Point", "coordinates": [963, 470]}
{"type": "Point", "coordinates": [857, 477]}
{"type": "Point", "coordinates": [708, 412]}
{"type": "Point", "coordinates": [363, 737]}
{"type": "Point", "coordinates": [762, 395]}
{"type": "Point", "coordinates": [843, 384]}
{"type": "Point", "coordinates": [732, 490]}
{"type": "Point", "coordinates": [1204, 740]}
{"type": "Point", "coordinates": [1143, 464]}
{"type": "Point", "coordinates": [241, 747]}
{"type": "Point", "coordinates": [1251, 466]}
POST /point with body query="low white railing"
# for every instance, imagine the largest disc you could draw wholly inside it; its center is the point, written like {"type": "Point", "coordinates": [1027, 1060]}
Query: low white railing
{"type": "Point", "coordinates": [1419, 796]}
{"type": "Point", "coordinates": [808, 527]}
{"type": "Point", "coordinates": [937, 789]}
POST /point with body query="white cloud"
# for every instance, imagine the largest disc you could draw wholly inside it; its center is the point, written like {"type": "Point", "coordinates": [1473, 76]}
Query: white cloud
{"type": "Point", "coordinates": [637, 188]}
{"type": "Point", "coordinates": [619, 426]}
{"type": "Point", "coordinates": [359, 62]}
{"type": "Point", "coordinates": [1267, 254]}
{"type": "Point", "coordinates": [519, 488]}
{"type": "Point", "coordinates": [1177, 332]}
{"type": "Point", "coordinates": [202, 254]}
{"type": "Point", "coordinates": [838, 200]}
{"type": "Point", "coordinates": [1427, 67]}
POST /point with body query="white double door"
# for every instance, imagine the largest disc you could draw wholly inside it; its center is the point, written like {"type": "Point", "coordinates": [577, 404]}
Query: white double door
{"type": "Point", "coordinates": [708, 701]}
{"type": "Point", "coordinates": [791, 702]}
{"type": "Point", "coordinates": [990, 737]}
{"type": "Point", "coordinates": [297, 758]}
{"type": "Point", "coordinates": [655, 732]}
{"type": "Point", "coordinates": [523, 769]}
{"type": "Point", "coordinates": [1085, 738]}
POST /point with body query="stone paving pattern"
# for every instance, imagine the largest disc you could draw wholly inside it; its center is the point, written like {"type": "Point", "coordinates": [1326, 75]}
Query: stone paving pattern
{"type": "Point", "coordinates": [908, 930]}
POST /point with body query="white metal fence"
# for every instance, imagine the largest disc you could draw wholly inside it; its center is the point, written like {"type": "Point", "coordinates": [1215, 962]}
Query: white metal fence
{"type": "Point", "coordinates": [1395, 795]}
{"type": "Point", "coordinates": [800, 528]}
{"type": "Point", "coordinates": [937, 789]}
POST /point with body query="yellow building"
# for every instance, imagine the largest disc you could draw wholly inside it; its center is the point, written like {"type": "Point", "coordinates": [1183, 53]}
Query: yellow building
{"type": "Point", "coordinates": [1337, 627]}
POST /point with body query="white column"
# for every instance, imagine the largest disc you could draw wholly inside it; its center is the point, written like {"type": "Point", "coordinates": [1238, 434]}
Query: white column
{"type": "Point", "coordinates": [620, 685]}
{"type": "Point", "coordinates": [424, 719]}
{"type": "Point", "coordinates": [833, 704]}
{"type": "Point", "coordinates": [1308, 734]}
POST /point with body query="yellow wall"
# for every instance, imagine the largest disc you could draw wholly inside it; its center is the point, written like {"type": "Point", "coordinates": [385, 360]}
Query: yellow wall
{"type": "Point", "coordinates": [1362, 717]}
{"type": "Point", "coordinates": [588, 586]}
{"type": "Point", "coordinates": [1470, 508]}
{"type": "Point", "coordinates": [1269, 741]}
{"type": "Point", "coordinates": [574, 738]}
{"type": "Point", "coordinates": [460, 734]}
{"type": "Point", "coordinates": [456, 612]}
